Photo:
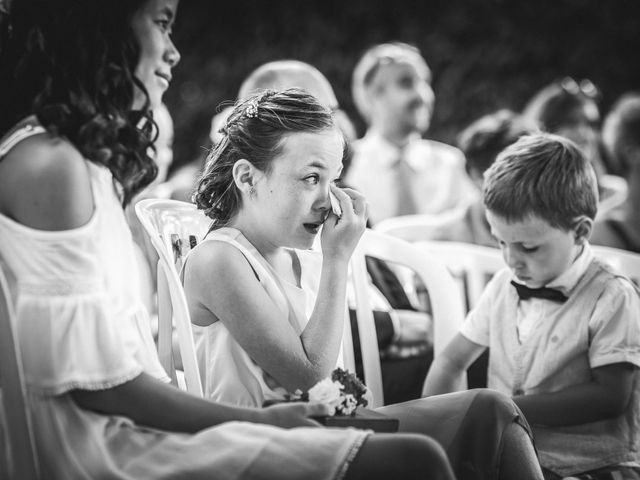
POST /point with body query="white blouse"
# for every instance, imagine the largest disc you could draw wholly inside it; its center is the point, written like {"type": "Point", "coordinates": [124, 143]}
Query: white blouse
{"type": "Point", "coordinates": [85, 278]}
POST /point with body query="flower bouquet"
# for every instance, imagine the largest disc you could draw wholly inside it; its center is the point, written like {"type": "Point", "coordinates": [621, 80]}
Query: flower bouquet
{"type": "Point", "coordinates": [344, 392]}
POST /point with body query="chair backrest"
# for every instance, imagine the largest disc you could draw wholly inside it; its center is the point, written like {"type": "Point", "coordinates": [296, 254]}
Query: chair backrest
{"type": "Point", "coordinates": [413, 228]}
{"type": "Point", "coordinates": [616, 188]}
{"type": "Point", "coordinates": [17, 421]}
{"type": "Point", "coordinates": [446, 305]}
{"type": "Point", "coordinates": [476, 264]}
{"type": "Point", "coordinates": [625, 262]}
{"type": "Point", "coordinates": [472, 265]}
{"type": "Point", "coordinates": [174, 227]}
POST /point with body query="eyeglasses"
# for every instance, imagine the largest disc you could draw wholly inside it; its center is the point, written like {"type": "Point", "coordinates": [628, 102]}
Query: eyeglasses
{"type": "Point", "coordinates": [584, 87]}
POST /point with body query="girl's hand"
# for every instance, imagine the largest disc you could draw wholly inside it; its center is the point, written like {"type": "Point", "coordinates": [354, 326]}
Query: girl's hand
{"type": "Point", "coordinates": [340, 235]}
{"type": "Point", "coordinates": [294, 414]}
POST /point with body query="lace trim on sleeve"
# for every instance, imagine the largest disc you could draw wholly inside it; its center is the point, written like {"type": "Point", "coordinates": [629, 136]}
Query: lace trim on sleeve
{"type": "Point", "coordinates": [353, 451]}
{"type": "Point", "coordinates": [88, 385]}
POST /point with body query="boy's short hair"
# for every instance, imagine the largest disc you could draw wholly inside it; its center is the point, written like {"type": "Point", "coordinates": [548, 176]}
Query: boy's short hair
{"type": "Point", "coordinates": [621, 129]}
{"type": "Point", "coordinates": [541, 175]}
{"type": "Point", "coordinates": [486, 137]}
{"type": "Point", "coordinates": [373, 59]}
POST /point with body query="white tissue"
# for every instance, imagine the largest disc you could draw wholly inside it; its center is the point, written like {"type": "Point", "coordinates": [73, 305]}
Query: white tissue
{"type": "Point", "coordinates": [335, 205]}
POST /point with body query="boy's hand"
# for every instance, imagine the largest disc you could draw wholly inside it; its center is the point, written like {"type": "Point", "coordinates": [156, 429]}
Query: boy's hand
{"type": "Point", "coordinates": [340, 235]}
{"type": "Point", "coordinates": [293, 414]}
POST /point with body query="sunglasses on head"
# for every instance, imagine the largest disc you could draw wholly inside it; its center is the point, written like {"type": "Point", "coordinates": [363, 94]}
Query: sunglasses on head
{"type": "Point", "coordinates": [584, 87]}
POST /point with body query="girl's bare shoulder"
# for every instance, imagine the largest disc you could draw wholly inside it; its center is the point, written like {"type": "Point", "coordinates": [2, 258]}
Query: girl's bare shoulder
{"type": "Point", "coordinates": [45, 184]}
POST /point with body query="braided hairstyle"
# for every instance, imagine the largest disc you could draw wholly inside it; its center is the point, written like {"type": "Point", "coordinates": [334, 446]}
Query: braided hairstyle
{"type": "Point", "coordinates": [255, 131]}
{"type": "Point", "coordinates": [71, 63]}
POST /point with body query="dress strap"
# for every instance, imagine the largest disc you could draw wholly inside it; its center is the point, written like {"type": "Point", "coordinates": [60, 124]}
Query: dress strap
{"type": "Point", "coordinates": [18, 135]}
{"type": "Point", "coordinates": [264, 272]}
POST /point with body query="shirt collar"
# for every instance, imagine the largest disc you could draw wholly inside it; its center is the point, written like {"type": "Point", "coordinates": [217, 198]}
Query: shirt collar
{"type": "Point", "coordinates": [566, 281]}
{"type": "Point", "coordinates": [415, 150]}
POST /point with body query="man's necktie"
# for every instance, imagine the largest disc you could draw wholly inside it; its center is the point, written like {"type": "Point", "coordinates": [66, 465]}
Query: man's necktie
{"type": "Point", "coordinates": [525, 293]}
{"type": "Point", "coordinates": [405, 205]}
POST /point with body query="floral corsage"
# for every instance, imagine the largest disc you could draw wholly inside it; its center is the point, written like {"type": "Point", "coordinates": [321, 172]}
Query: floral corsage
{"type": "Point", "coordinates": [343, 392]}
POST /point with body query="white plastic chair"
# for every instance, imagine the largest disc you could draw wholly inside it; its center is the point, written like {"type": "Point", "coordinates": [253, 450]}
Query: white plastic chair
{"type": "Point", "coordinates": [617, 188]}
{"type": "Point", "coordinates": [625, 262]}
{"type": "Point", "coordinates": [414, 228]}
{"type": "Point", "coordinates": [447, 308]}
{"type": "Point", "coordinates": [17, 420]}
{"type": "Point", "coordinates": [473, 264]}
{"type": "Point", "coordinates": [173, 228]}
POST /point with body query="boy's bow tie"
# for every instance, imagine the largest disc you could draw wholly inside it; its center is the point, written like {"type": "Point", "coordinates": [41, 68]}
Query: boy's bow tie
{"type": "Point", "coordinates": [525, 293]}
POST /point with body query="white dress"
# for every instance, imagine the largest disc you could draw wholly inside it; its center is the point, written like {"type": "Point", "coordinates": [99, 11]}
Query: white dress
{"type": "Point", "coordinates": [228, 374]}
{"type": "Point", "coordinates": [81, 324]}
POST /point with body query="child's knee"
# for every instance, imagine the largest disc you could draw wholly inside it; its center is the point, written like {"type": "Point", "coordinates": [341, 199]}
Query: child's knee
{"type": "Point", "coordinates": [492, 400]}
{"type": "Point", "coordinates": [489, 413]}
{"type": "Point", "coordinates": [423, 457]}
{"type": "Point", "coordinates": [403, 455]}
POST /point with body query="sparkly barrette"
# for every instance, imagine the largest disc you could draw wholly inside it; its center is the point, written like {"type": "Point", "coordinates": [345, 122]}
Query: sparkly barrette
{"type": "Point", "coordinates": [252, 110]}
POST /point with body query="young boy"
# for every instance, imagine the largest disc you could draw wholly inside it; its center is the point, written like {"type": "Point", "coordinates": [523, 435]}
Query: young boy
{"type": "Point", "coordinates": [563, 329]}
{"type": "Point", "coordinates": [397, 171]}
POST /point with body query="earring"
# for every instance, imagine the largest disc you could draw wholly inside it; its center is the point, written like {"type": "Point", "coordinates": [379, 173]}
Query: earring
{"type": "Point", "coordinates": [252, 192]}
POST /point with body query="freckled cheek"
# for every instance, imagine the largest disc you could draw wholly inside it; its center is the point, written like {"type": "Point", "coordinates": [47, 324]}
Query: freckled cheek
{"type": "Point", "coordinates": [301, 198]}
{"type": "Point", "coordinates": [287, 204]}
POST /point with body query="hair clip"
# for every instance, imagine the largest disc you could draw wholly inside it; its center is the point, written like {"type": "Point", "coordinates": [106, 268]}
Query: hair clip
{"type": "Point", "coordinates": [252, 110]}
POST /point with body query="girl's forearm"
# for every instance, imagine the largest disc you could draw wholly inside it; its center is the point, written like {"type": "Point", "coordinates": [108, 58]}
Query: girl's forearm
{"type": "Point", "coordinates": [151, 403]}
{"type": "Point", "coordinates": [322, 336]}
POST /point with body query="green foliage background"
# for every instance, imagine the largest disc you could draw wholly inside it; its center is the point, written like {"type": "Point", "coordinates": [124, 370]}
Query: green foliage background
{"type": "Point", "coordinates": [484, 54]}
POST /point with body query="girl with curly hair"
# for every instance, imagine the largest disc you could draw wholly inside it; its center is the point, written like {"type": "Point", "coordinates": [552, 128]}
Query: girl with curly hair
{"type": "Point", "coordinates": [78, 80]}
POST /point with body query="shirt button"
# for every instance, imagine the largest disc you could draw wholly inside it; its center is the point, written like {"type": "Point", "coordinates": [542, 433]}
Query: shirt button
{"type": "Point", "coordinates": [517, 392]}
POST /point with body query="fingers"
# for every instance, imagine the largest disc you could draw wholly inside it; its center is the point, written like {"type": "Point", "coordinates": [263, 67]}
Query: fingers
{"type": "Point", "coordinates": [317, 409]}
{"type": "Point", "coordinates": [350, 197]}
{"type": "Point", "coordinates": [309, 410]}
{"type": "Point", "coordinates": [308, 422]}
{"type": "Point", "coordinates": [298, 414]}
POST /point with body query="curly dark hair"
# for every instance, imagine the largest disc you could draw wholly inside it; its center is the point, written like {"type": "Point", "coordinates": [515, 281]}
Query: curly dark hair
{"type": "Point", "coordinates": [71, 64]}
{"type": "Point", "coordinates": [254, 131]}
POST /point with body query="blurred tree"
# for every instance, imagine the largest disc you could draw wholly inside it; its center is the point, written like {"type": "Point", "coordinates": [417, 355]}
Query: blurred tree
{"type": "Point", "coordinates": [485, 54]}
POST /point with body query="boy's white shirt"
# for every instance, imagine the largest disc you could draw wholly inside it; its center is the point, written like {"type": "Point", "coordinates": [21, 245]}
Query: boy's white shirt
{"type": "Point", "coordinates": [476, 326]}
{"type": "Point", "coordinates": [604, 327]}
{"type": "Point", "coordinates": [531, 312]}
